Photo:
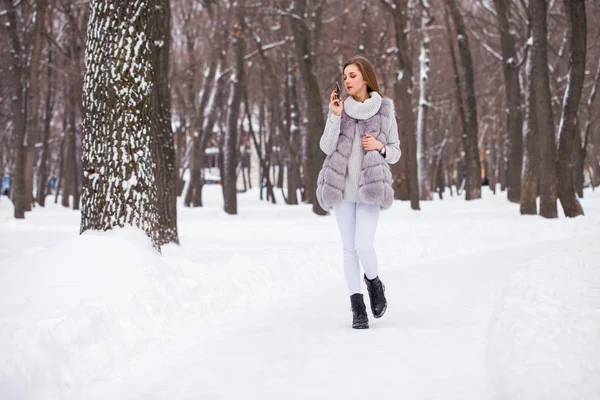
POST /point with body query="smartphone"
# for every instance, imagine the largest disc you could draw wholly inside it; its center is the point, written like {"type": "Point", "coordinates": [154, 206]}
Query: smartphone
{"type": "Point", "coordinates": [337, 93]}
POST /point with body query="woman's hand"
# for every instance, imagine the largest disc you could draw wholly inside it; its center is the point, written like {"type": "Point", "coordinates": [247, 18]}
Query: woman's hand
{"type": "Point", "coordinates": [337, 109]}
{"type": "Point", "coordinates": [370, 143]}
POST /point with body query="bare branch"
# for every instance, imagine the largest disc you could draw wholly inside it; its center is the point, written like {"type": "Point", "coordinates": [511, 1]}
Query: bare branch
{"type": "Point", "coordinates": [248, 56]}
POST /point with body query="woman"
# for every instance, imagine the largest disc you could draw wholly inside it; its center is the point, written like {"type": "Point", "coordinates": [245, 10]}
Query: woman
{"type": "Point", "coordinates": [360, 140]}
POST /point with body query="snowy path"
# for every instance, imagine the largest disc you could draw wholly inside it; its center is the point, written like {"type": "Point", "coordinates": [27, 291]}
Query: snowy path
{"type": "Point", "coordinates": [304, 348]}
{"type": "Point", "coordinates": [431, 344]}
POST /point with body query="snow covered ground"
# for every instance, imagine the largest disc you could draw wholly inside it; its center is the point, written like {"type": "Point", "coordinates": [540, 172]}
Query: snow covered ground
{"type": "Point", "coordinates": [483, 304]}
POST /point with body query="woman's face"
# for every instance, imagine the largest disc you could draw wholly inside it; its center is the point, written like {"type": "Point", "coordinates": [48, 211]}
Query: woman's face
{"type": "Point", "coordinates": [353, 80]}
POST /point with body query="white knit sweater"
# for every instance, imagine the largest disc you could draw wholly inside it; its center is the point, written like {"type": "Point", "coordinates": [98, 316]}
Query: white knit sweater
{"type": "Point", "coordinates": [328, 143]}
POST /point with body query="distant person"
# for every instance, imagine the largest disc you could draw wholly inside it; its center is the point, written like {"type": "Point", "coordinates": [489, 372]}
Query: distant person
{"type": "Point", "coordinates": [360, 140]}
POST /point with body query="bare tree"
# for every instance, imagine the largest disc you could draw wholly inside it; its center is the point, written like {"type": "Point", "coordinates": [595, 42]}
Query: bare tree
{"type": "Point", "coordinates": [567, 131]}
{"type": "Point", "coordinates": [424, 61]}
{"type": "Point", "coordinates": [166, 173]}
{"type": "Point", "coordinates": [538, 10]}
{"type": "Point", "coordinates": [530, 185]}
{"type": "Point", "coordinates": [403, 86]}
{"type": "Point", "coordinates": [469, 104]}
{"type": "Point", "coordinates": [231, 146]}
{"type": "Point", "coordinates": [32, 98]}
{"type": "Point", "coordinates": [19, 187]}
{"type": "Point", "coordinates": [587, 138]}
{"type": "Point", "coordinates": [293, 53]}
{"type": "Point", "coordinates": [49, 102]}
{"type": "Point", "coordinates": [512, 88]}
{"type": "Point", "coordinates": [304, 38]}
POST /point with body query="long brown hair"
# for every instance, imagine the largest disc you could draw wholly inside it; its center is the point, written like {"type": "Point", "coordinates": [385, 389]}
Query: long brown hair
{"type": "Point", "coordinates": [367, 70]}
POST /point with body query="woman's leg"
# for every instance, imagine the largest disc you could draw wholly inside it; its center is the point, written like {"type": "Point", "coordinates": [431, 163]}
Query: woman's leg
{"type": "Point", "coordinates": [367, 216]}
{"type": "Point", "coordinates": [345, 214]}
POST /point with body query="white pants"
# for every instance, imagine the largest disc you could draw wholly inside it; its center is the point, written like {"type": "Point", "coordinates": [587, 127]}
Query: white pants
{"type": "Point", "coordinates": [357, 223]}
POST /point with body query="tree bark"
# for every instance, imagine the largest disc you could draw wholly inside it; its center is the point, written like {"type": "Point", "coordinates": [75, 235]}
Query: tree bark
{"type": "Point", "coordinates": [530, 178]}
{"type": "Point", "coordinates": [118, 158]}
{"type": "Point", "coordinates": [70, 157]}
{"type": "Point", "coordinates": [231, 147]}
{"type": "Point", "coordinates": [316, 124]}
{"type": "Point", "coordinates": [587, 131]}
{"type": "Point", "coordinates": [32, 127]}
{"type": "Point", "coordinates": [567, 131]}
{"type": "Point", "coordinates": [74, 86]}
{"type": "Point", "coordinates": [42, 185]}
{"type": "Point", "coordinates": [206, 114]}
{"type": "Point", "coordinates": [424, 60]}
{"type": "Point", "coordinates": [469, 104]}
{"type": "Point", "coordinates": [293, 117]}
{"type": "Point", "coordinates": [538, 10]}
{"type": "Point", "coordinates": [72, 143]}
{"type": "Point", "coordinates": [406, 171]}
{"type": "Point", "coordinates": [15, 76]}
{"type": "Point", "coordinates": [514, 114]}
{"type": "Point", "coordinates": [166, 173]}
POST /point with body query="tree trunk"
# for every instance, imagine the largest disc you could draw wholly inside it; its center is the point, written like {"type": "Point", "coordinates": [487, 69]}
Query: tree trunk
{"type": "Point", "coordinates": [166, 173]}
{"type": "Point", "coordinates": [118, 158]}
{"type": "Point", "coordinates": [538, 10]}
{"type": "Point", "coordinates": [530, 178]}
{"type": "Point", "coordinates": [231, 148]}
{"type": "Point", "coordinates": [306, 59]}
{"type": "Point", "coordinates": [406, 172]}
{"type": "Point", "coordinates": [70, 158]}
{"type": "Point", "coordinates": [72, 153]}
{"type": "Point", "coordinates": [578, 168]}
{"type": "Point", "coordinates": [587, 129]}
{"type": "Point", "coordinates": [15, 75]}
{"type": "Point", "coordinates": [42, 185]}
{"type": "Point", "coordinates": [206, 116]}
{"type": "Point", "coordinates": [30, 157]}
{"type": "Point", "coordinates": [469, 104]}
{"type": "Point", "coordinates": [74, 53]}
{"type": "Point", "coordinates": [61, 161]}
{"type": "Point", "coordinates": [512, 88]}
{"type": "Point", "coordinates": [32, 129]}
{"type": "Point", "coordinates": [424, 60]}
{"type": "Point", "coordinates": [567, 131]}
{"type": "Point", "coordinates": [293, 166]}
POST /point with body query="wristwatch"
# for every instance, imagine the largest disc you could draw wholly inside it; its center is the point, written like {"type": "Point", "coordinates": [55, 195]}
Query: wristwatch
{"type": "Point", "coordinates": [382, 151]}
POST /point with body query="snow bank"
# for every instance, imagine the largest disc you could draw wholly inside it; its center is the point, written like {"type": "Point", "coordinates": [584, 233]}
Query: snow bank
{"type": "Point", "coordinates": [545, 333]}
{"type": "Point", "coordinates": [75, 313]}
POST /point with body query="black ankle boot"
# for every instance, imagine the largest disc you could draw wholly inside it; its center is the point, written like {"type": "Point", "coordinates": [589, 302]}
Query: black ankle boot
{"type": "Point", "coordinates": [376, 296]}
{"type": "Point", "coordinates": [359, 312]}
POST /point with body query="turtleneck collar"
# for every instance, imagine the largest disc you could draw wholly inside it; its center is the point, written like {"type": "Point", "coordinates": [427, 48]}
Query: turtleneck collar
{"type": "Point", "coordinates": [364, 110]}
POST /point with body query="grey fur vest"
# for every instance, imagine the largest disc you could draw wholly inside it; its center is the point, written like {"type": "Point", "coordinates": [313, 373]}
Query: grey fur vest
{"type": "Point", "coordinates": [375, 183]}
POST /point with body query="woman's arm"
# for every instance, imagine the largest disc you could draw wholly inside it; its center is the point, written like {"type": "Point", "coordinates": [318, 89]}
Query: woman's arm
{"type": "Point", "coordinates": [331, 134]}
